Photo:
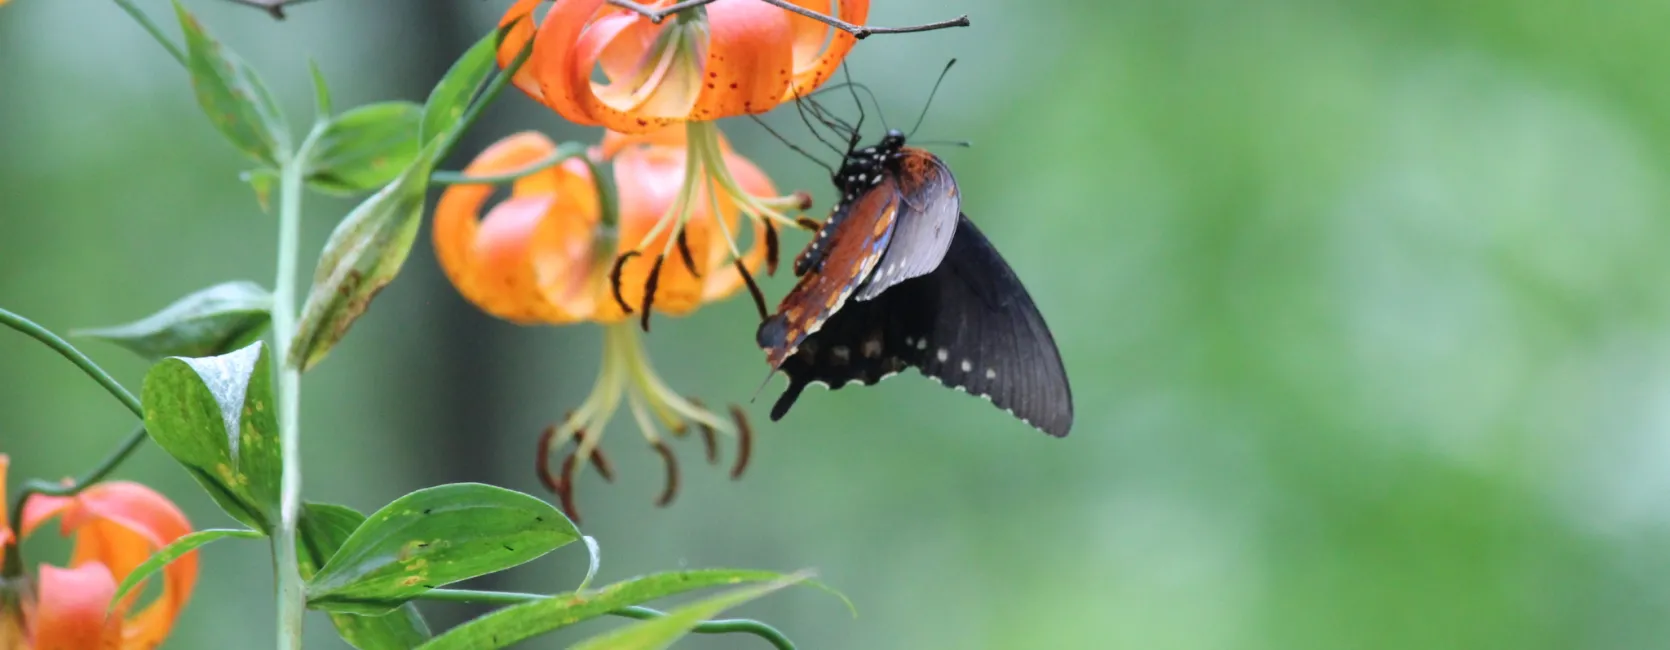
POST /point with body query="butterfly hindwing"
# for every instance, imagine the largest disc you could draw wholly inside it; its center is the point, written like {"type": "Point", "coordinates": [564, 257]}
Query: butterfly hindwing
{"type": "Point", "coordinates": [930, 204]}
{"type": "Point", "coordinates": [969, 324]}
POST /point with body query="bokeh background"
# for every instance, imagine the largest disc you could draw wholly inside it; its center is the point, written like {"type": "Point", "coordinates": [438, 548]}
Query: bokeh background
{"type": "Point", "coordinates": [1364, 305]}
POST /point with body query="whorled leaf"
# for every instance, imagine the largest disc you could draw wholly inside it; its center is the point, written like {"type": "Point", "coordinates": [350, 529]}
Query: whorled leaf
{"type": "Point", "coordinates": [508, 625]}
{"type": "Point", "coordinates": [263, 181]}
{"type": "Point", "coordinates": [232, 95]}
{"type": "Point", "coordinates": [365, 147]}
{"type": "Point", "coordinates": [321, 92]}
{"type": "Point", "coordinates": [324, 527]}
{"type": "Point", "coordinates": [174, 551]}
{"type": "Point", "coordinates": [657, 633]}
{"type": "Point", "coordinates": [433, 537]}
{"type": "Point", "coordinates": [363, 255]}
{"type": "Point", "coordinates": [211, 321]}
{"type": "Point", "coordinates": [216, 416]}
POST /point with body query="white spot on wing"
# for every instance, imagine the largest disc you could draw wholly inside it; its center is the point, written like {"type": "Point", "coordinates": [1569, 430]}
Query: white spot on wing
{"type": "Point", "coordinates": [967, 366]}
{"type": "Point", "coordinates": [991, 374]}
{"type": "Point", "coordinates": [943, 354]}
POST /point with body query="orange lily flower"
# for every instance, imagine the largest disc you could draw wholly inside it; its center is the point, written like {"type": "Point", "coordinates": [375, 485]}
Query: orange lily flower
{"type": "Point", "coordinates": [117, 526]}
{"type": "Point", "coordinates": [545, 255]}
{"type": "Point", "coordinates": [727, 58]}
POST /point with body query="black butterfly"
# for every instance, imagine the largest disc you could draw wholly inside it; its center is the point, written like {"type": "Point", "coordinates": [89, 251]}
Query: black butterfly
{"type": "Point", "coordinates": [927, 291]}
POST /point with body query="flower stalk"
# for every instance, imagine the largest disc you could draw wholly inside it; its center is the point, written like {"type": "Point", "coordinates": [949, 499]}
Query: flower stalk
{"type": "Point", "coordinates": [291, 603]}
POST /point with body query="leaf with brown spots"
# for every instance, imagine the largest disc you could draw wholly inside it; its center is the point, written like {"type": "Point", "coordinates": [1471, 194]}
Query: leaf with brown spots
{"type": "Point", "coordinates": [432, 537]}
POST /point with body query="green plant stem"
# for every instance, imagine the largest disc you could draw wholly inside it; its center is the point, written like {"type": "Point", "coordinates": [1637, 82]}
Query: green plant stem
{"type": "Point", "coordinates": [152, 28]}
{"type": "Point", "coordinates": [14, 563]}
{"type": "Point", "coordinates": [561, 154]}
{"type": "Point", "coordinates": [291, 603]}
{"type": "Point", "coordinates": [75, 356]}
{"type": "Point", "coordinates": [717, 626]}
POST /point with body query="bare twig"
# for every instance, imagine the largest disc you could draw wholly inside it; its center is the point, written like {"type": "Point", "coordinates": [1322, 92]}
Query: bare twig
{"type": "Point", "coordinates": [274, 8]}
{"type": "Point", "coordinates": [857, 31]}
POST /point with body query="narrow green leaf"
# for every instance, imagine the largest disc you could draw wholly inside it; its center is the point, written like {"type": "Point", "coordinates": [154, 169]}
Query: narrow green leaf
{"type": "Point", "coordinates": [232, 95]}
{"type": "Point", "coordinates": [167, 554]}
{"type": "Point", "coordinates": [452, 95]}
{"type": "Point", "coordinates": [366, 147]}
{"type": "Point", "coordinates": [657, 633]}
{"type": "Point", "coordinates": [433, 537]}
{"type": "Point", "coordinates": [324, 527]}
{"type": "Point", "coordinates": [211, 321]}
{"type": "Point", "coordinates": [363, 255]}
{"type": "Point", "coordinates": [215, 415]}
{"type": "Point", "coordinates": [505, 626]}
{"type": "Point", "coordinates": [321, 92]}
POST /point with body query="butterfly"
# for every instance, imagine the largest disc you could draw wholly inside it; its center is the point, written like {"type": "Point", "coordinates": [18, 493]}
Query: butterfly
{"type": "Point", "coordinates": [898, 277]}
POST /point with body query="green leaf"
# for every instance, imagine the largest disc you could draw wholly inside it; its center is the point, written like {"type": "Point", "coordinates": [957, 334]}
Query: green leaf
{"type": "Point", "coordinates": [366, 147]}
{"type": "Point", "coordinates": [232, 95]}
{"type": "Point", "coordinates": [433, 537]}
{"type": "Point", "coordinates": [321, 92]}
{"type": "Point", "coordinates": [363, 255]}
{"type": "Point", "coordinates": [504, 626]}
{"type": "Point", "coordinates": [167, 554]}
{"type": "Point", "coordinates": [324, 527]}
{"type": "Point", "coordinates": [657, 633]}
{"type": "Point", "coordinates": [211, 321]}
{"type": "Point", "coordinates": [216, 416]}
{"type": "Point", "coordinates": [452, 95]}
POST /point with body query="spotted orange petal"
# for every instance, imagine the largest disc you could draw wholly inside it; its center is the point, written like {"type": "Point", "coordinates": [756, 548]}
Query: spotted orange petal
{"type": "Point", "coordinates": [751, 60]}
{"type": "Point", "coordinates": [522, 24]}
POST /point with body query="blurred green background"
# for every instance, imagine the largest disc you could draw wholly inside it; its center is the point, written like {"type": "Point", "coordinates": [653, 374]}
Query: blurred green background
{"type": "Point", "coordinates": [1362, 304]}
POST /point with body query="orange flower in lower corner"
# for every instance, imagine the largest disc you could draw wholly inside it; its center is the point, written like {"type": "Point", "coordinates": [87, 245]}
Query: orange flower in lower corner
{"type": "Point", "coordinates": [726, 58]}
{"type": "Point", "coordinates": [116, 526]}
{"type": "Point", "coordinates": [548, 254]}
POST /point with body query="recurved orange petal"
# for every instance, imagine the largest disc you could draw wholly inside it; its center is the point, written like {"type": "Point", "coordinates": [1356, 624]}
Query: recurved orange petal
{"type": "Point", "coordinates": [649, 179]}
{"type": "Point", "coordinates": [816, 70]}
{"type": "Point", "coordinates": [521, 19]}
{"type": "Point", "coordinates": [118, 525]}
{"type": "Point", "coordinates": [530, 258]}
{"type": "Point", "coordinates": [70, 607]}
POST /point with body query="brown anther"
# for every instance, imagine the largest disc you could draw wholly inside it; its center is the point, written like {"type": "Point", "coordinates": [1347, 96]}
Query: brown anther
{"type": "Point", "coordinates": [753, 289]}
{"type": "Point", "coordinates": [709, 440]}
{"type": "Point", "coordinates": [542, 461]}
{"type": "Point", "coordinates": [744, 441]}
{"type": "Point", "coordinates": [672, 473]}
{"type": "Point", "coordinates": [770, 248]}
{"type": "Point", "coordinates": [805, 199]}
{"type": "Point", "coordinates": [614, 279]}
{"type": "Point", "coordinates": [808, 224]}
{"type": "Point", "coordinates": [598, 460]}
{"type": "Point", "coordinates": [649, 288]}
{"type": "Point", "coordinates": [684, 253]}
{"type": "Point", "coordinates": [565, 488]}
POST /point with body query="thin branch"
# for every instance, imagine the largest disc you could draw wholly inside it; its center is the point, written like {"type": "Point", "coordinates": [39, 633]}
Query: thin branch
{"type": "Point", "coordinates": [274, 8]}
{"type": "Point", "coordinates": [857, 31]}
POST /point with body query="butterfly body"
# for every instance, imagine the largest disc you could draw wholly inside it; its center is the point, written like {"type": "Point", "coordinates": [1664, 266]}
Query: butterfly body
{"type": "Point", "coordinates": [899, 278]}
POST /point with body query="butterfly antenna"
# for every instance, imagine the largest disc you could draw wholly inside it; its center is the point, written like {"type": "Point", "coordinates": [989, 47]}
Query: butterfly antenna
{"type": "Point", "coordinates": [796, 148]}
{"type": "Point", "coordinates": [831, 121]}
{"type": "Point", "coordinates": [948, 143]}
{"type": "Point", "coordinates": [931, 94]}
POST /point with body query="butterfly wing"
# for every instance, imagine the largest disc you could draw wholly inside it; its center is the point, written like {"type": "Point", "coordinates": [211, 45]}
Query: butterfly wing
{"type": "Point", "coordinates": [970, 324]}
{"type": "Point", "coordinates": [852, 252]}
{"type": "Point", "coordinates": [927, 222]}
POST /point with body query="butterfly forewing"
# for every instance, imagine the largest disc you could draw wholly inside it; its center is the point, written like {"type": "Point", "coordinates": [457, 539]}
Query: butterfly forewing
{"type": "Point", "coordinates": [852, 252]}
{"type": "Point", "coordinates": [927, 220]}
{"type": "Point", "coordinates": [969, 324]}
